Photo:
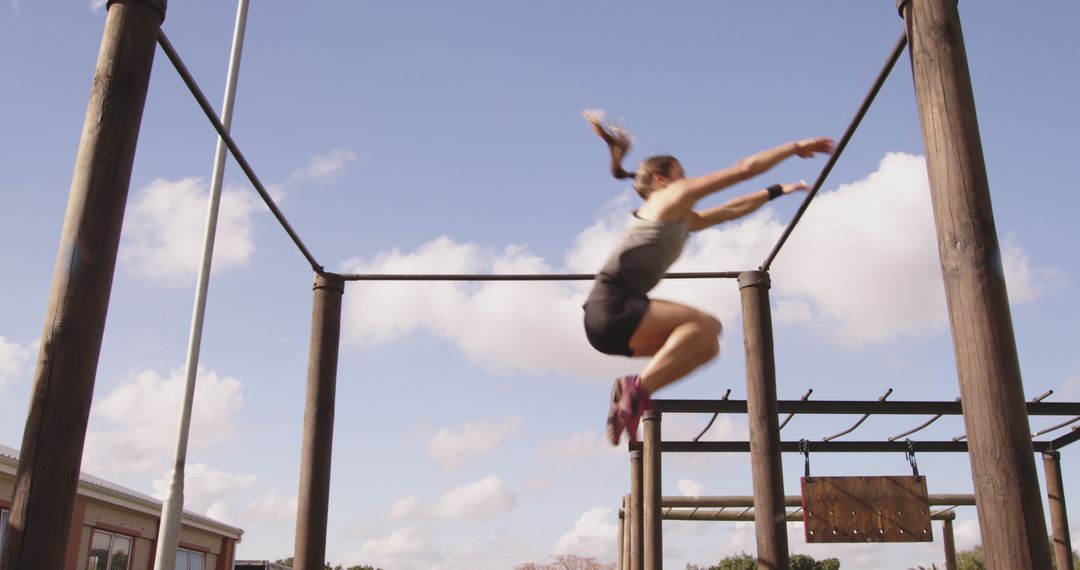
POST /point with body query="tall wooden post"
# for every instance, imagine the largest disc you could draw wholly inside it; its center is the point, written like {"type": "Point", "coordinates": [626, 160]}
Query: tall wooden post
{"type": "Point", "coordinates": [762, 416]}
{"type": "Point", "coordinates": [654, 545]}
{"type": "Point", "coordinates": [949, 538]}
{"type": "Point", "coordinates": [52, 446]}
{"type": "Point", "coordinates": [637, 528]}
{"type": "Point", "coordinates": [625, 554]}
{"type": "Point", "coordinates": [1007, 492]}
{"type": "Point", "coordinates": [620, 558]}
{"type": "Point", "coordinates": [314, 499]}
{"type": "Point", "coordinates": [1059, 518]}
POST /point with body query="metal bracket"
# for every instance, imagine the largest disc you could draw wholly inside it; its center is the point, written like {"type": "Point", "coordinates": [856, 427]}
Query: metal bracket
{"type": "Point", "coordinates": [910, 455]}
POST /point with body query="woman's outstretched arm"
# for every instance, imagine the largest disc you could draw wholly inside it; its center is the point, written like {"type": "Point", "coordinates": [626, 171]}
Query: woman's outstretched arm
{"type": "Point", "coordinates": [678, 199]}
{"type": "Point", "coordinates": [753, 165]}
{"type": "Point", "coordinates": [737, 207]}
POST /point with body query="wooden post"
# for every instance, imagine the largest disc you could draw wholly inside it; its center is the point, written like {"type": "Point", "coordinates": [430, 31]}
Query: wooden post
{"type": "Point", "coordinates": [52, 446]}
{"type": "Point", "coordinates": [654, 549]}
{"type": "Point", "coordinates": [314, 498]}
{"type": "Point", "coordinates": [762, 417]}
{"type": "Point", "coordinates": [1007, 492]}
{"type": "Point", "coordinates": [950, 544]}
{"type": "Point", "coordinates": [1059, 518]}
{"type": "Point", "coordinates": [626, 534]}
{"type": "Point", "coordinates": [620, 559]}
{"type": "Point", "coordinates": [637, 528]}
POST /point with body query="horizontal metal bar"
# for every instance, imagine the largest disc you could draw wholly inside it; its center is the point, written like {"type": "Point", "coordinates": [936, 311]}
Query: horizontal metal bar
{"type": "Point", "coordinates": [842, 446]}
{"type": "Point", "coordinates": [748, 516]}
{"type": "Point", "coordinates": [716, 502]}
{"type": "Point", "coordinates": [520, 276]}
{"type": "Point", "coordinates": [853, 407]}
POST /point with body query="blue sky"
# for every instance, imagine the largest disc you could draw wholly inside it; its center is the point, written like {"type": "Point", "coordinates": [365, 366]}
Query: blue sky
{"type": "Point", "coordinates": [447, 136]}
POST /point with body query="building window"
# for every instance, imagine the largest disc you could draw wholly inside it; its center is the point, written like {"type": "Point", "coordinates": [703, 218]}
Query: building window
{"type": "Point", "coordinates": [3, 527]}
{"type": "Point", "coordinates": [109, 551]}
{"type": "Point", "coordinates": [189, 560]}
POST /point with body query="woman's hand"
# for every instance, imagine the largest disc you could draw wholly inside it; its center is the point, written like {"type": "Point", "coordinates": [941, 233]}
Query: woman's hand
{"type": "Point", "coordinates": [793, 187]}
{"type": "Point", "coordinates": [807, 148]}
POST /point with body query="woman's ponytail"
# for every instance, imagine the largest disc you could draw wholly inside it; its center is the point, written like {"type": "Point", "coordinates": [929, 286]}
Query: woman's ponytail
{"type": "Point", "coordinates": [617, 139]}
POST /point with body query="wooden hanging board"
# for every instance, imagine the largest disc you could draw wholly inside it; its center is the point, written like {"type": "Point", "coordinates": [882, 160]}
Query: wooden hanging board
{"type": "Point", "coordinates": [866, 509]}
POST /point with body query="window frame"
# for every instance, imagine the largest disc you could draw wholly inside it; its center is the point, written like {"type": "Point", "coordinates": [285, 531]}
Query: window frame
{"type": "Point", "coordinates": [112, 535]}
{"type": "Point", "coordinates": [5, 515]}
{"type": "Point", "coordinates": [190, 552]}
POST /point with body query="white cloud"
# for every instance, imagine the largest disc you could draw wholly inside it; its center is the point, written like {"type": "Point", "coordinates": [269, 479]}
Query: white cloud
{"type": "Point", "coordinates": [407, 548]}
{"type": "Point", "coordinates": [325, 166]}
{"type": "Point", "coordinates": [165, 225]}
{"type": "Point", "coordinates": [485, 499]}
{"type": "Point", "coordinates": [864, 259]}
{"type": "Point", "coordinates": [13, 360]}
{"type": "Point", "coordinates": [274, 506]}
{"type": "Point", "coordinates": [690, 488]}
{"type": "Point", "coordinates": [451, 448]}
{"type": "Point", "coordinates": [594, 535]}
{"type": "Point", "coordinates": [96, 5]}
{"type": "Point", "coordinates": [143, 415]}
{"type": "Point", "coordinates": [579, 447]}
{"type": "Point", "coordinates": [210, 491]}
{"type": "Point", "coordinates": [1070, 388]}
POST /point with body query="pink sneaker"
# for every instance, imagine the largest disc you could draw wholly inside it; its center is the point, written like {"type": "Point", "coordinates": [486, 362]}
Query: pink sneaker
{"type": "Point", "coordinates": [633, 406]}
{"type": "Point", "coordinates": [629, 400]}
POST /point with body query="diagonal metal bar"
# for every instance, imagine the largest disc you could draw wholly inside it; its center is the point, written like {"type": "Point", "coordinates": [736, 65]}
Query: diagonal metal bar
{"type": "Point", "coordinates": [899, 49]}
{"type": "Point", "coordinates": [919, 427]}
{"type": "Point", "coordinates": [804, 398]}
{"type": "Point", "coordinates": [1056, 427]}
{"type": "Point", "coordinates": [185, 75]}
{"type": "Point", "coordinates": [714, 416]}
{"type": "Point", "coordinates": [861, 420]}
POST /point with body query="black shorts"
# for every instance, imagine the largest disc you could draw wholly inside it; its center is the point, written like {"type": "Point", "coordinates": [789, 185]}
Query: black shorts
{"type": "Point", "coordinates": [612, 314]}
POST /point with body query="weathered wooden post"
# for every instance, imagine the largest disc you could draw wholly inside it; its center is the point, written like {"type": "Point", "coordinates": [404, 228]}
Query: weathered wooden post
{"type": "Point", "coordinates": [654, 548]}
{"type": "Point", "coordinates": [637, 528]}
{"type": "Point", "coordinates": [620, 558]}
{"type": "Point", "coordinates": [1059, 517]}
{"type": "Point", "coordinates": [1007, 493]}
{"type": "Point", "coordinates": [52, 446]}
{"type": "Point", "coordinates": [949, 538]}
{"type": "Point", "coordinates": [314, 499]}
{"type": "Point", "coordinates": [761, 415]}
{"type": "Point", "coordinates": [626, 534]}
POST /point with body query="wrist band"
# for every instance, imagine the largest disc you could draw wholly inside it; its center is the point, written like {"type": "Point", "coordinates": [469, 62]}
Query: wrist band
{"type": "Point", "coordinates": [775, 191]}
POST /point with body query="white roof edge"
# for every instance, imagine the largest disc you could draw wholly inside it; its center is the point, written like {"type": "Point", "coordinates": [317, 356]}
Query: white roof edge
{"type": "Point", "coordinates": [89, 487]}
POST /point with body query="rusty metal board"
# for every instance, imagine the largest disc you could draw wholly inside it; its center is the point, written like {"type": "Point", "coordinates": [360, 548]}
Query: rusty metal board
{"type": "Point", "coordinates": [866, 509]}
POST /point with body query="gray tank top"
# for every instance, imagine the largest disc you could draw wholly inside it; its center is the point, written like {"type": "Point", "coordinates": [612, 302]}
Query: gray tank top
{"type": "Point", "coordinates": [646, 251]}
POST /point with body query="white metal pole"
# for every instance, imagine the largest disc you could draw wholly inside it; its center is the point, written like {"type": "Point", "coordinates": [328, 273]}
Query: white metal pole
{"type": "Point", "coordinates": [172, 511]}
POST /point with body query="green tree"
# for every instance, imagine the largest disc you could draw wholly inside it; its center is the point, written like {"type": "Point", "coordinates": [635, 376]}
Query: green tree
{"type": "Point", "coordinates": [972, 558]}
{"type": "Point", "coordinates": [744, 561]}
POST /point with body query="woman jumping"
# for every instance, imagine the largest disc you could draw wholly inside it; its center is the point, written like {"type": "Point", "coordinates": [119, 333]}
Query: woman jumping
{"type": "Point", "coordinates": [619, 316]}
